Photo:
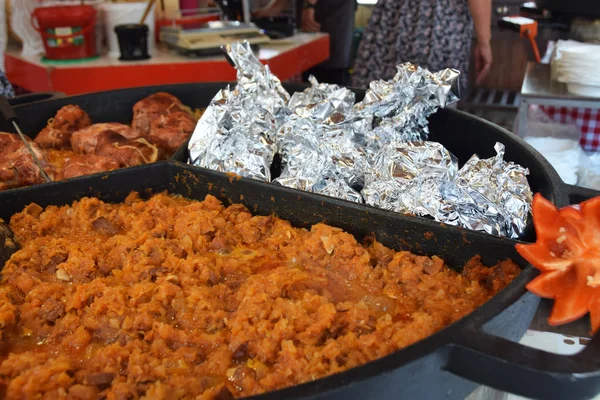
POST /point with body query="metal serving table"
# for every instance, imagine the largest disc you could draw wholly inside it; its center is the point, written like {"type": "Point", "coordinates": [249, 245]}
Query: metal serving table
{"type": "Point", "coordinates": [538, 88]}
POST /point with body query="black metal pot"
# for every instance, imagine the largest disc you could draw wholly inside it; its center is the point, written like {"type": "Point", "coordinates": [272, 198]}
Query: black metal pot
{"type": "Point", "coordinates": [461, 133]}
{"type": "Point", "coordinates": [479, 348]}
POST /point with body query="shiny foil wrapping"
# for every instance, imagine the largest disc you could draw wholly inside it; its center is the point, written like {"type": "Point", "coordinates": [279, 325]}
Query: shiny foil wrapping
{"type": "Point", "coordinates": [399, 108]}
{"type": "Point", "coordinates": [317, 145]}
{"type": "Point", "coordinates": [489, 195]}
{"type": "Point", "coordinates": [375, 151]}
{"type": "Point", "coordinates": [423, 178]}
{"type": "Point", "coordinates": [343, 137]}
{"type": "Point", "coordinates": [237, 131]}
{"type": "Point", "coordinates": [322, 102]}
{"type": "Point", "coordinates": [408, 177]}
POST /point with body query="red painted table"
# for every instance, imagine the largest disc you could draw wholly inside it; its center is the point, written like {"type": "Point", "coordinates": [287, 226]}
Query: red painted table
{"type": "Point", "coordinates": [287, 58]}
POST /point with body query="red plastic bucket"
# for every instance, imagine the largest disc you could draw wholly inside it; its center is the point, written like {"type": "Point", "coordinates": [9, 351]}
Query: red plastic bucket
{"type": "Point", "coordinates": [68, 32]}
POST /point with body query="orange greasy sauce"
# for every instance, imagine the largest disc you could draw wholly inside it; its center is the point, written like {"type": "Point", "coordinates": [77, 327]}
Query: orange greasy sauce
{"type": "Point", "coordinates": [57, 158]}
{"type": "Point", "coordinates": [174, 298]}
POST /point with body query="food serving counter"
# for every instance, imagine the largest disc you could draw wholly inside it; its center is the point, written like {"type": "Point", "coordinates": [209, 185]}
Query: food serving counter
{"type": "Point", "coordinates": [287, 58]}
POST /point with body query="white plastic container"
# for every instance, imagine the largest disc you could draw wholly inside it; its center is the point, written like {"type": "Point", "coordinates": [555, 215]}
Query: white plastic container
{"type": "Point", "coordinates": [125, 13]}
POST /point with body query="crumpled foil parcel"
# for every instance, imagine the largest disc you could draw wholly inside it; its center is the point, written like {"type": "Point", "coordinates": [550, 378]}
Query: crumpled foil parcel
{"type": "Point", "coordinates": [237, 131]}
{"type": "Point", "coordinates": [375, 151]}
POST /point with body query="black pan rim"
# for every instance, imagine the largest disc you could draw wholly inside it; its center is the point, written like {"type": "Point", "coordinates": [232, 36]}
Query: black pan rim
{"type": "Point", "coordinates": [438, 342]}
{"type": "Point", "coordinates": [153, 88]}
{"type": "Point", "coordinates": [549, 170]}
{"type": "Point", "coordinates": [321, 197]}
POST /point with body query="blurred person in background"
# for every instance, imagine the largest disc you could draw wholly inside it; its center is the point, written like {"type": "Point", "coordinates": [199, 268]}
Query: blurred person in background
{"type": "Point", "coordinates": [6, 88]}
{"type": "Point", "coordinates": [335, 17]}
{"type": "Point", "coordinates": [270, 8]}
{"type": "Point", "coordinates": [433, 34]}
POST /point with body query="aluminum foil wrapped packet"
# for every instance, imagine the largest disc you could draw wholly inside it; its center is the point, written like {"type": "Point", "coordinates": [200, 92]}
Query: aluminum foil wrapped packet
{"type": "Point", "coordinates": [422, 178]}
{"type": "Point", "coordinates": [317, 144]}
{"type": "Point", "coordinates": [237, 131]}
{"type": "Point", "coordinates": [375, 151]}
{"type": "Point", "coordinates": [489, 195]}
{"type": "Point", "coordinates": [321, 158]}
{"type": "Point", "coordinates": [323, 101]}
{"type": "Point", "coordinates": [399, 108]}
{"type": "Point", "coordinates": [257, 86]}
{"type": "Point", "coordinates": [407, 177]}
{"type": "Point", "coordinates": [322, 177]}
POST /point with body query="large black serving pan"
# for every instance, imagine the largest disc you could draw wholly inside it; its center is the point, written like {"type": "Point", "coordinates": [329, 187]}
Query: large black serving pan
{"type": "Point", "coordinates": [478, 348]}
{"type": "Point", "coordinates": [461, 133]}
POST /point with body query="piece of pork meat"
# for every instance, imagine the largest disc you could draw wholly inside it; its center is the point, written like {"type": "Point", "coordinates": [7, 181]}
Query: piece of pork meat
{"type": "Point", "coordinates": [80, 165]}
{"type": "Point", "coordinates": [8, 141]}
{"type": "Point", "coordinates": [57, 135]}
{"type": "Point", "coordinates": [50, 138]}
{"type": "Point", "coordinates": [71, 118]}
{"type": "Point", "coordinates": [128, 152]}
{"type": "Point", "coordinates": [17, 167]}
{"type": "Point", "coordinates": [148, 109]}
{"type": "Point", "coordinates": [85, 141]}
{"type": "Point", "coordinates": [171, 131]}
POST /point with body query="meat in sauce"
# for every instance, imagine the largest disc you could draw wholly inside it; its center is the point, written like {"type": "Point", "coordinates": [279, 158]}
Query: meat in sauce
{"type": "Point", "coordinates": [128, 153]}
{"type": "Point", "coordinates": [174, 298]}
{"type": "Point", "coordinates": [57, 135]}
{"type": "Point", "coordinates": [72, 146]}
{"type": "Point", "coordinates": [85, 141]}
{"type": "Point", "coordinates": [148, 109]}
{"type": "Point", "coordinates": [170, 131]}
{"type": "Point", "coordinates": [17, 167]}
{"type": "Point", "coordinates": [79, 165]}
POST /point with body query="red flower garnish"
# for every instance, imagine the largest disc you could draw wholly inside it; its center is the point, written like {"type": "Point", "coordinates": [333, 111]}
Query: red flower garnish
{"type": "Point", "coordinates": [567, 252]}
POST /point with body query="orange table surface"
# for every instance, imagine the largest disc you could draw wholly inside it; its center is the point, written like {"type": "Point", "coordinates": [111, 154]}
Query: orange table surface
{"type": "Point", "coordinates": [286, 58]}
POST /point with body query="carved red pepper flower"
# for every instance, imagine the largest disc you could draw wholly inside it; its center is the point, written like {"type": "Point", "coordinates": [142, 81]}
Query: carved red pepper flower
{"type": "Point", "coordinates": [567, 252]}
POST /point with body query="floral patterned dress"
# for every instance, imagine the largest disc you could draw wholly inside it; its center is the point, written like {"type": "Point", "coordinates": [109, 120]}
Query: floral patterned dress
{"type": "Point", "coordinates": [434, 34]}
{"type": "Point", "coordinates": [6, 88]}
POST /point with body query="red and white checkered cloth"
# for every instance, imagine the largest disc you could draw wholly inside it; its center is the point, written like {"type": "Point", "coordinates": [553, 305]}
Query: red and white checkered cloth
{"type": "Point", "coordinates": [587, 121]}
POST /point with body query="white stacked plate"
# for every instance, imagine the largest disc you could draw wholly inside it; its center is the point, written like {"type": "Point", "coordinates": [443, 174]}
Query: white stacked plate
{"type": "Point", "coordinates": [578, 65]}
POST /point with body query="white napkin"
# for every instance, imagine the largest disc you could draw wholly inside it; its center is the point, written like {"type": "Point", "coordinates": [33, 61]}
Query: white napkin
{"type": "Point", "coordinates": [576, 64]}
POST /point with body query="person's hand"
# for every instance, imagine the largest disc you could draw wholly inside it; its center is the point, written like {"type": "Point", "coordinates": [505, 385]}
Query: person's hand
{"type": "Point", "coordinates": [483, 60]}
{"type": "Point", "coordinates": [275, 7]}
{"type": "Point", "coordinates": [264, 12]}
{"type": "Point", "coordinates": [308, 21]}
